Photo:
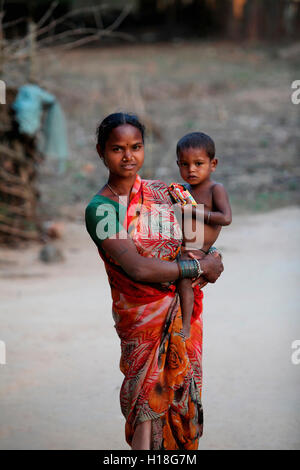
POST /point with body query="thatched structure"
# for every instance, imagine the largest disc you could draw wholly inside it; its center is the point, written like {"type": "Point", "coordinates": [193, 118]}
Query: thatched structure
{"type": "Point", "coordinates": [18, 194]}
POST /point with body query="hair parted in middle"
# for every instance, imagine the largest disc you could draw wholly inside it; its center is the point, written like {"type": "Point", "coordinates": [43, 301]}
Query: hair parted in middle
{"type": "Point", "coordinates": [115, 120]}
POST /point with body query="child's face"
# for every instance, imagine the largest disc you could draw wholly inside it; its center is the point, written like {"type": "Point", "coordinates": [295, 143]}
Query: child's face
{"type": "Point", "coordinates": [124, 151]}
{"type": "Point", "coordinates": [195, 165]}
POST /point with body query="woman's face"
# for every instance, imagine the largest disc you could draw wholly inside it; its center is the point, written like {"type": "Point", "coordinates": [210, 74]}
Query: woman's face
{"type": "Point", "coordinates": [124, 151]}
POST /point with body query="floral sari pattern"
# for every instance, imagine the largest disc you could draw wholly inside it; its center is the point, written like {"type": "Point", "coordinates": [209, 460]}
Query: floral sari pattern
{"type": "Point", "coordinates": [162, 371]}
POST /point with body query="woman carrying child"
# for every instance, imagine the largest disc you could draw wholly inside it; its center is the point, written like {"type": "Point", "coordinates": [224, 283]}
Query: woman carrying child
{"type": "Point", "coordinates": [161, 392]}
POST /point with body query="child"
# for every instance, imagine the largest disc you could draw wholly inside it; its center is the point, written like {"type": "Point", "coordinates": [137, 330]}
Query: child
{"type": "Point", "coordinates": [196, 161]}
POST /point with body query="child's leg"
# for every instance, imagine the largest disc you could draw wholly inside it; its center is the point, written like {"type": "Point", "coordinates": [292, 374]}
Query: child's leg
{"type": "Point", "coordinates": [186, 295]}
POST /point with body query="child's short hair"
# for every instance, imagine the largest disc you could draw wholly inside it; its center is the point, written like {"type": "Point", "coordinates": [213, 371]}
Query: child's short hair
{"type": "Point", "coordinates": [197, 140]}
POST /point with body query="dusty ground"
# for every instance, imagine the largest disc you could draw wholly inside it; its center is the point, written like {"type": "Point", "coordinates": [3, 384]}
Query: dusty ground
{"type": "Point", "coordinates": [60, 386]}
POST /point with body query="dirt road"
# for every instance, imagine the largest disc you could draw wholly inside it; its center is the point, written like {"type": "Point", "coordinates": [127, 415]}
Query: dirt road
{"type": "Point", "coordinates": [59, 388]}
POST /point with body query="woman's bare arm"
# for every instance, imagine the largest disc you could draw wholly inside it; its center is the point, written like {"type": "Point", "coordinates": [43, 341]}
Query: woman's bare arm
{"type": "Point", "coordinates": [138, 267]}
{"type": "Point", "coordinates": [144, 269]}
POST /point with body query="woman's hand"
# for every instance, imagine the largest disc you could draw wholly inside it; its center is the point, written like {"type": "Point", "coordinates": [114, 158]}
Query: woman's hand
{"type": "Point", "coordinates": [199, 281]}
{"type": "Point", "coordinates": [211, 266]}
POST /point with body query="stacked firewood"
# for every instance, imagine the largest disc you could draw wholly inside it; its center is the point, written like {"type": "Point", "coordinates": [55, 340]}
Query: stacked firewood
{"type": "Point", "coordinates": [19, 158]}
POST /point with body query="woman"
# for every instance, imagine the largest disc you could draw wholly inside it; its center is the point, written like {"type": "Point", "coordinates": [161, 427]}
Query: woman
{"type": "Point", "coordinates": [127, 219]}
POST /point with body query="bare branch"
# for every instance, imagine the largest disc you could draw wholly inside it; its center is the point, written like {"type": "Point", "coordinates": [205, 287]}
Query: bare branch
{"type": "Point", "coordinates": [47, 14]}
{"type": "Point", "coordinates": [9, 24]}
{"type": "Point", "coordinates": [125, 12]}
{"type": "Point", "coordinates": [98, 17]}
{"type": "Point", "coordinates": [23, 54]}
{"type": "Point", "coordinates": [64, 34]}
{"type": "Point", "coordinates": [67, 15]}
{"type": "Point", "coordinates": [22, 42]}
{"type": "Point", "coordinates": [95, 37]}
{"type": "Point", "coordinates": [18, 49]}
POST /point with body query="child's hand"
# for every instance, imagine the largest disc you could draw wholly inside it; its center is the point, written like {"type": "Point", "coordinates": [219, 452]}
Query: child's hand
{"type": "Point", "coordinates": [190, 210]}
{"type": "Point", "coordinates": [200, 281]}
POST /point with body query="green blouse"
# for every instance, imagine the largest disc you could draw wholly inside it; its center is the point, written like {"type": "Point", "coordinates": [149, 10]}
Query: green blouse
{"type": "Point", "coordinates": [104, 218]}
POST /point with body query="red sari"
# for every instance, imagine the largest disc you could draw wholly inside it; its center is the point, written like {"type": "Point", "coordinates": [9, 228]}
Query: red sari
{"type": "Point", "coordinates": [162, 371]}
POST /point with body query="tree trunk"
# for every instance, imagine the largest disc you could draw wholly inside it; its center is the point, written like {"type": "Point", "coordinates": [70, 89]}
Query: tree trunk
{"type": "Point", "coordinates": [297, 22]}
{"type": "Point", "coordinates": [222, 14]}
{"type": "Point", "coordinates": [253, 19]}
{"type": "Point", "coordinates": [172, 13]}
{"type": "Point", "coordinates": [236, 12]}
{"type": "Point", "coordinates": [274, 18]}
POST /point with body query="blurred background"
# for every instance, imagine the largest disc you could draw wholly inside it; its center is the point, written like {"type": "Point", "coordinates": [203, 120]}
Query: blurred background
{"type": "Point", "coordinates": [224, 67]}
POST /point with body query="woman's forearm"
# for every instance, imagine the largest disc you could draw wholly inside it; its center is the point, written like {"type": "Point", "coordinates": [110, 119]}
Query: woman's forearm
{"type": "Point", "coordinates": [145, 269]}
{"type": "Point", "coordinates": [137, 266]}
{"type": "Point", "coordinates": [154, 270]}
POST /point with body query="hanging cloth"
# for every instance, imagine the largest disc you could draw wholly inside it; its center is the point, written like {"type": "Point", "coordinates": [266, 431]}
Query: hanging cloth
{"type": "Point", "coordinates": [29, 105]}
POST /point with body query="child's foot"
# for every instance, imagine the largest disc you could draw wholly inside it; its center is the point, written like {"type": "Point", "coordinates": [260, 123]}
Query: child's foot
{"type": "Point", "coordinates": [186, 329]}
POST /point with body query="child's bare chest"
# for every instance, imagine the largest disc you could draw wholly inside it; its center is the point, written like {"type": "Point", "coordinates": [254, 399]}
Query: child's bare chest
{"type": "Point", "coordinates": [203, 197]}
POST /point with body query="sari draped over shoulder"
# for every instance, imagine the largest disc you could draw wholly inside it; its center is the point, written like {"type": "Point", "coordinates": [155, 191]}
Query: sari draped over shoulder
{"type": "Point", "coordinates": [162, 371]}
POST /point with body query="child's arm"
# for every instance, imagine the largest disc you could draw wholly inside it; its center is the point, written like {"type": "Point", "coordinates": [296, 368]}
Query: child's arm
{"type": "Point", "coordinates": [222, 214]}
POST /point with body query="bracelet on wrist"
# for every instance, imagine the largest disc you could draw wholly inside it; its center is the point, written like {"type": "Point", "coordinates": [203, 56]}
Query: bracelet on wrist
{"type": "Point", "coordinates": [189, 269]}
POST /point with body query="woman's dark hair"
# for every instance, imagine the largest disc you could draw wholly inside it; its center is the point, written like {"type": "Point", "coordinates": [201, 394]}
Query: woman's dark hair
{"type": "Point", "coordinates": [197, 140]}
{"type": "Point", "coordinates": [115, 120]}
